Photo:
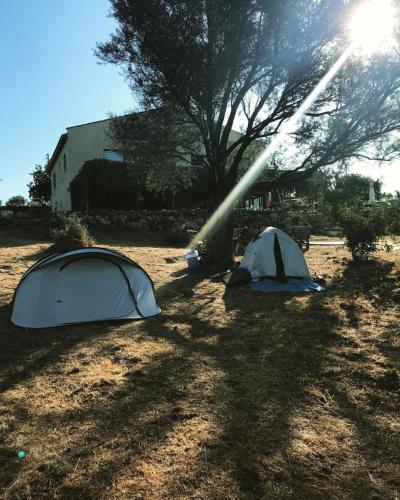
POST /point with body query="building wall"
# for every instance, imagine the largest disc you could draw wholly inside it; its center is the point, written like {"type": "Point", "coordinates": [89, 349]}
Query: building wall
{"type": "Point", "coordinates": [87, 142]}
{"type": "Point", "coordinates": [60, 182]}
{"type": "Point", "coordinates": [84, 142]}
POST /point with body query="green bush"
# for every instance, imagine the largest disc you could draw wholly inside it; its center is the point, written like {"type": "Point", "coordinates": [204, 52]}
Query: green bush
{"type": "Point", "coordinates": [362, 226]}
{"type": "Point", "coordinates": [71, 233]}
{"type": "Point", "coordinates": [392, 220]}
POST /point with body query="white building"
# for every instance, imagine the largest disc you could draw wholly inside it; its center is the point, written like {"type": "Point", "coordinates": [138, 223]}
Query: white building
{"type": "Point", "coordinates": [90, 141]}
{"type": "Point", "coordinates": [79, 144]}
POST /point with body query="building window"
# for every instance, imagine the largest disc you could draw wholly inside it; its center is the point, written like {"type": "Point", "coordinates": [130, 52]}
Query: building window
{"type": "Point", "coordinates": [54, 180]}
{"type": "Point", "coordinates": [254, 203]}
{"type": "Point", "coordinates": [111, 155]}
{"type": "Point", "coordinates": [65, 162]}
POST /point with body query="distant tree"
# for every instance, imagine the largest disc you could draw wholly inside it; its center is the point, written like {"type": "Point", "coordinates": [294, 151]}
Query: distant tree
{"type": "Point", "coordinates": [218, 61]}
{"type": "Point", "coordinates": [40, 187]}
{"type": "Point", "coordinates": [348, 188]}
{"type": "Point", "coordinates": [317, 186]}
{"type": "Point", "coordinates": [16, 201]}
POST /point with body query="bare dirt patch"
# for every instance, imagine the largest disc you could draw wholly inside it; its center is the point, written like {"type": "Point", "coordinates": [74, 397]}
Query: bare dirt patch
{"type": "Point", "coordinates": [227, 394]}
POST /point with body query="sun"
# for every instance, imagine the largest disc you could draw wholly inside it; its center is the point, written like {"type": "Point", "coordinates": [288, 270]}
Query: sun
{"type": "Point", "coordinates": [372, 26]}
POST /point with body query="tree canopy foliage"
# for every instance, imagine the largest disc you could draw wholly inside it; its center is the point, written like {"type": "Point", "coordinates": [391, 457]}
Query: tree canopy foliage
{"type": "Point", "coordinates": [163, 151]}
{"type": "Point", "coordinates": [40, 186]}
{"type": "Point", "coordinates": [16, 201]}
{"type": "Point", "coordinates": [158, 148]}
{"type": "Point", "coordinates": [251, 64]}
{"type": "Point", "coordinates": [351, 188]}
{"type": "Point", "coordinates": [254, 62]}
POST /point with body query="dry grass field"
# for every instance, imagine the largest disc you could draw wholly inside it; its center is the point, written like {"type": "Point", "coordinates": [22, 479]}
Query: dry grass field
{"type": "Point", "coordinates": [226, 395]}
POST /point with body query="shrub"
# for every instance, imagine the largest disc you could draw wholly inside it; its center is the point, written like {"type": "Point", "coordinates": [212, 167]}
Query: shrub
{"type": "Point", "coordinates": [71, 233]}
{"type": "Point", "coordinates": [362, 226]}
{"type": "Point", "coordinates": [392, 218]}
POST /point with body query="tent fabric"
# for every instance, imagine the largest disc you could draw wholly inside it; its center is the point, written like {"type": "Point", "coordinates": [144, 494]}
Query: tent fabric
{"type": "Point", "coordinates": [87, 284]}
{"type": "Point", "coordinates": [274, 254]}
{"type": "Point", "coordinates": [294, 285]}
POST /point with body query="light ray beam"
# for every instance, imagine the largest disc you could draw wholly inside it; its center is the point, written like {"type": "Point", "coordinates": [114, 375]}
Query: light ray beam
{"type": "Point", "coordinates": [226, 207]}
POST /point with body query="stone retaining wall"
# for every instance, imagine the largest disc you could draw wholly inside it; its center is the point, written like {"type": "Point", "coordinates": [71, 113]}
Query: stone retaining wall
{"type": "Point", "coordinates": [194, 219]}
{"type": "Point", "coordinates": [31, 219]}
{"type": "Point", "coordinates": [164, 221]}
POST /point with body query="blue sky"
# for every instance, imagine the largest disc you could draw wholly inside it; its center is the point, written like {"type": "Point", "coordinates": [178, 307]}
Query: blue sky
{"type": "Point", "coordinates": [50, 79]}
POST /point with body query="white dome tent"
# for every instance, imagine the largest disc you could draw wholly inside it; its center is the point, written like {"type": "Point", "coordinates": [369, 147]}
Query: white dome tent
{"type": "Point", "coordinates": [87, 284]}
{"type": "Point", "coordinates": [274, 254]}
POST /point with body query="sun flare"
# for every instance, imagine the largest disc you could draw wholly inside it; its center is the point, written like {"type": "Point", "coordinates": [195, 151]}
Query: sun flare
{"type": "Point", "coordinates": [372, 26]}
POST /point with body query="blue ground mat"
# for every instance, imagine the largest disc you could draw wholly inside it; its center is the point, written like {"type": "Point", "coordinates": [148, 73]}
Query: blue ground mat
{"type": "Point", "coordinates": [290, 285]}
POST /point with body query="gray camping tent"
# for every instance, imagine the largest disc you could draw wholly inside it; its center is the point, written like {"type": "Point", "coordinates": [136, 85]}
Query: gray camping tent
{"type": "Point", "coordinates": [87, 284]}
{"type": "Point", "coordinates": [274, 254]}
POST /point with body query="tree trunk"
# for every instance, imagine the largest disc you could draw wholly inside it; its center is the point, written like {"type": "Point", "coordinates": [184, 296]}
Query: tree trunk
{"type": "Point", "coordinates": [219, 246]}
{"type": "Point", "coordinates": [219, 242]}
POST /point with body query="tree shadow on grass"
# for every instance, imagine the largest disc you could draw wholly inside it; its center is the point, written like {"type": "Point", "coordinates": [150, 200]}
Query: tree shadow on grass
{"type": "Point", "coordinates": [286, 342]}
{"type": "Point", "coordinates": [25, 353]}
{"type": "Point", "coordinates": [250, 373]}
{"type": "Point", "coordinates": [266, 364]}
{"type": "Point", "coordinates": [135, 416]}
{"type": "Point", "coordinates": [308, 340]}
{"type": "Point", "coordinates": [129, 239]}
{"type": "Point", "coordinates": [268, 358]}
{"type": "Point", "coordinates": [23, 236]}
{"type": "Point", "coordinates": [39, 255]}
{"type": "Point", "coordinates": [375, 282]}
{"type": "Point", "coordinates": [372, 280]}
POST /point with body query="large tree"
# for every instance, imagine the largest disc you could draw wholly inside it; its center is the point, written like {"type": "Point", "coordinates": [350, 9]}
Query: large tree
{"type": "Point", "coordinates": [217, 61]}
{"type": "Point", "coordinates": [164, 153]}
